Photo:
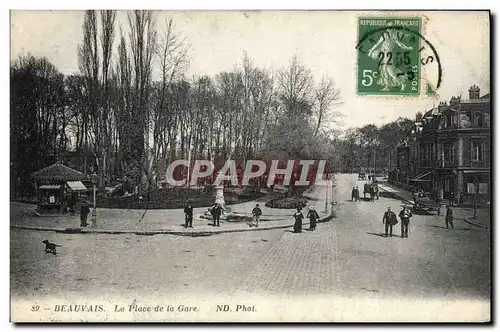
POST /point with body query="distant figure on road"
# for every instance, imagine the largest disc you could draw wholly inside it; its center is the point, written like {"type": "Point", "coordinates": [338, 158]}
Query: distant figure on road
{"type": "Point", "coordinates": [216, 212]}
{"type": "Point", "coordinates": [389, 220]}
{"type": "Point", "coordinates": [188, 212]}
{"type": "Point", "coordinates": [256, 212]}
{"type": "Point", "coordinates": [84, 212]}
{"type": "Point", "coordinates": [372, 192]}
{"type": "Point", "coordinates": [449, 217]}
{"type": "Point", "coordinates": [366, 189]}
{"type": "Point", "coordinates": [313, 218]}
{"type": "Point", "coordinates": [375, 189]}
{"type": "Point", "coordinates": [353, 194]}
{"type": "Point", "coordinates": [405, 216]}
{"type": "Point", "coordinates": [415, 195]}
{"type": "Point", "coordinates": [452, 198]}
{"type": "Point", "coordinates": [297, 227]}
{"type": "Point", "coordinates": [356, 193]}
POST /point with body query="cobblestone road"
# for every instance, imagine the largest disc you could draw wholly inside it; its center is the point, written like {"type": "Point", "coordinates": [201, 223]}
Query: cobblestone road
{"type": "Point", "coordinates": [349, 256]}
{"type": "Point", "coordinates": [346, 256]}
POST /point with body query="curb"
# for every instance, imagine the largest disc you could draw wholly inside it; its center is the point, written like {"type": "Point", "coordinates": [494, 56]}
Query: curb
{"type": "Point", "coordinates": [159, 231]}
{"type": "Point", "coordinates": [467, 220]}
{"type": "Point", "coordinates": [394, 195]}
{"type": "Point", "coordinates": [473, 223]}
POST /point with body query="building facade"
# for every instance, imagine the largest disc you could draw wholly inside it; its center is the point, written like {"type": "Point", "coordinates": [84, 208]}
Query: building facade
{"type": "Point", "coordinates": [447, 153]}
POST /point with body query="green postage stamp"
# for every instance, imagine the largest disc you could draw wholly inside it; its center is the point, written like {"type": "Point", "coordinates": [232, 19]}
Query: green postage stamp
{"type": "Point", "coordinates": [388, 51]}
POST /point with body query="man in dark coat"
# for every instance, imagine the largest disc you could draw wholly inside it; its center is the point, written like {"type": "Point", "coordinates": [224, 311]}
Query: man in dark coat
{"type": "Point", "coordinates": [405, 216]}
{"type": "Point", "coordinates": [375, 189]}
{"type": "Point", "coordinates": [256, 213]}
{"type": "Point", "coordinates": [449, 217]}
{"type": "Point", "coordinates": [188, 212]}
{"type": "Point", "coordinates": [389, 220]}
{"type": "Point", "coordinates": [356, 192]}
{"type": "Point", "coordinates": [353, 194]}
{"type": "Point", "coordinates": [84, 212]}
{"type": "Point", "coordinates": [216, 212]}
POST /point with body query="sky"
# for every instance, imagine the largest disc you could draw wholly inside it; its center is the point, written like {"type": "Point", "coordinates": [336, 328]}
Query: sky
{"type": "Point", "coordinates": [324, 41]}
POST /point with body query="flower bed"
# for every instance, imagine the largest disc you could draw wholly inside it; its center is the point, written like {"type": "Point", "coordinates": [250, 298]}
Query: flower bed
{"type": "Point", "coordinates": [173, 198]}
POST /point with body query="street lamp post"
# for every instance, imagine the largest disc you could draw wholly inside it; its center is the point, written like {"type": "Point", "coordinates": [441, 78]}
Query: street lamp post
{"type": "Point", "coordinates": [476, 185]}
{"type": "Point", "coordinates": [94, 211]}
{"type": "Point", "coordinates": [327, 187]}
{"type": "Point", "coordinates": [333, 200]}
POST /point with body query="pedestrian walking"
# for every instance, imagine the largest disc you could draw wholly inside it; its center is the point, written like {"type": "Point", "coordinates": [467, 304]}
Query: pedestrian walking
{"type": "Point", "coordinates": [297, 227]}
{"type": "Point", "coordinates": [405, 216]}
{"type": "Point", "coordinates": [449, 217]}
{"type": "Point", "coordinates": [389, 220]}
{"type": "Point", "coordinates": [372, 193]}
{"type": "Point", "coordinates": [188, 213]}
{"type": "Point", "coordinates": [216, 212]}
{"type": "Point", "coordinates": [375, 189]}
{"type": "Point", "coordinates": [357, 193]}
{"type": "Point", "coordinates": [256, 213]}
{"type": "Point", "coordinates": [353, 194]}
{"type": "Point", "coordinates": [84, 212]}
{"type": "Point", "coordinates": [313, 218]}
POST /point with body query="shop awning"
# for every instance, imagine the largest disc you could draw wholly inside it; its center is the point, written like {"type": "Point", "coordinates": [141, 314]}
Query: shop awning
{"type": "Point", "coordinates": [76, 185]}
{"type": "Point", "coordinates": [50, 186]}
{"type": "Point", "coordinates": [421, 177]}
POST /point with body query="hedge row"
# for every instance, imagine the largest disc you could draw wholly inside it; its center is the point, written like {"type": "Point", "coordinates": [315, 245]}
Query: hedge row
{"type": "Point", "coordinates": [174, 198]}
{"type": "Point", "coordinates": [287, 203]}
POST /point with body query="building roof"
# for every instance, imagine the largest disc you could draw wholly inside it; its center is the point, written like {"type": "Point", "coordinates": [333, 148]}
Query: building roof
{"type": "Point", "coordinates": [58, 173]}
{"type": "Point", "coordinates": [76, 186]}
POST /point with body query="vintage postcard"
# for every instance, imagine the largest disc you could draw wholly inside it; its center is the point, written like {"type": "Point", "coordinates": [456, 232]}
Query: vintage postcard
{"type": "Point", "coordinates": [250, 166]}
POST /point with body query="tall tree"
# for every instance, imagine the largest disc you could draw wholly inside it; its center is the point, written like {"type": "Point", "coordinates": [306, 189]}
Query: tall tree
{"type": "Point", "coordinates": [295, 86]}
{"type": "Point", "coordinates": [325, 95]}
{"type": "Point", "coordinates": [172, 55]}
{"type": "Point", "coordinates": [105, 120]}
{"type": "Point", "coordinates": [143, 44]}
{"type": "Point", "coordinates": [37, 118]}
{"type": "Point", "coordinates": [88, 63]}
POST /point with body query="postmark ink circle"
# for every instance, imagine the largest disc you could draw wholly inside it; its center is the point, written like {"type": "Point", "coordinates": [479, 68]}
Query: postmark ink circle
{"type": "Point", "coordinates": [394, 69]}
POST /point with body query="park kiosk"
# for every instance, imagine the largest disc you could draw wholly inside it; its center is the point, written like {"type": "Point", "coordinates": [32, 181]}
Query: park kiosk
{"type": "Point", "coordinates": [57, 188]}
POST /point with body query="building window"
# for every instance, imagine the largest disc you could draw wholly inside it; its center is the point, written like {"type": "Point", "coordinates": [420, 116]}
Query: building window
{"type": "Point", "coordinates": [478, 120]}
{"type": "Point", "coordinates": [449, 151]}
{"type": "Point", "coordinates": [487, 119]}
{"type": "Point", "coordinates": [447, 185]}
{"type": "Point", "coordinates": [477, 151]}
{"type": "Point", "coordinates": [482, 188]}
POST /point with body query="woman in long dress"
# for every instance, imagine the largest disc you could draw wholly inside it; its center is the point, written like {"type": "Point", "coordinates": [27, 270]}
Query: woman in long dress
{"type": "Point", "coordinates": [297, 227]}
{"type": "Point", "coordinates": [313, 217]}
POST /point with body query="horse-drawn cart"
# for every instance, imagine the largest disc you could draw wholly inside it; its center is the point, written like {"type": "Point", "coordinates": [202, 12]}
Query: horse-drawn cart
{"type": "Point", "coordinates": [372, 190]}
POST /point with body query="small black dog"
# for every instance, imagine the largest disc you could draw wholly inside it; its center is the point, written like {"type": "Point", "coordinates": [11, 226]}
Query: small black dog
{"type": "Point", "coordinates": [50, 247]}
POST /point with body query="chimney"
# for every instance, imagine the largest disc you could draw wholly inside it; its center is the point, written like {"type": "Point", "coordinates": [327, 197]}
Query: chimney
{"type": "Point", "coordinates": [455, 100]}
{"type": "Point", "coordinates": [442, 106]}
{"type": "Point", "coordinates": [474, 92]}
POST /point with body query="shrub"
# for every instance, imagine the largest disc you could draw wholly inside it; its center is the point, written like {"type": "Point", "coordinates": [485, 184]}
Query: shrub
{"type": "Point", "coordinates": [287, 203]}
